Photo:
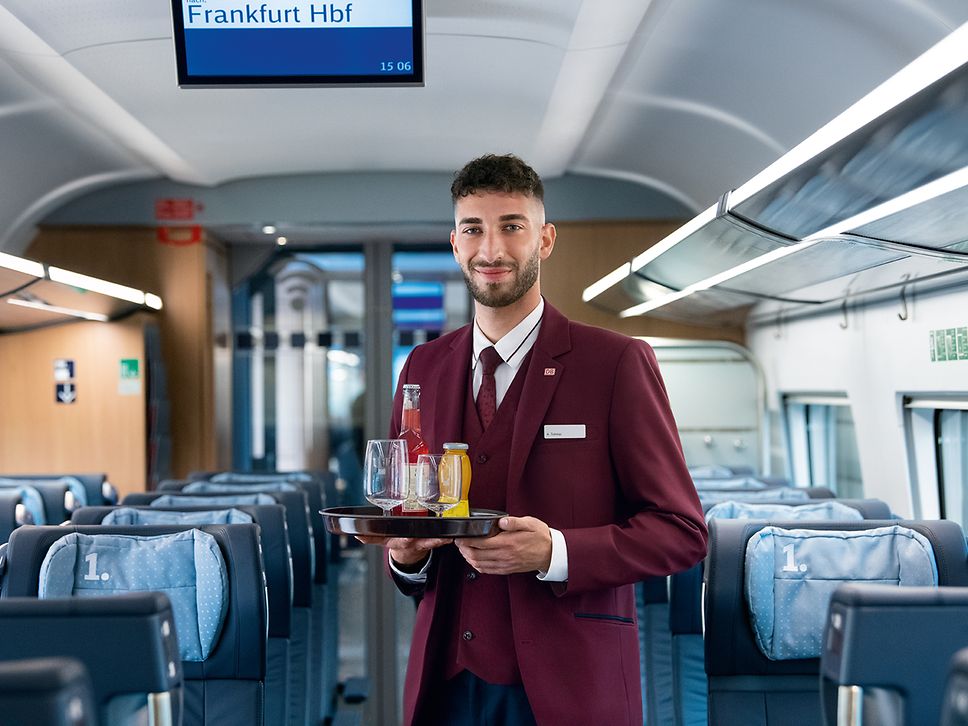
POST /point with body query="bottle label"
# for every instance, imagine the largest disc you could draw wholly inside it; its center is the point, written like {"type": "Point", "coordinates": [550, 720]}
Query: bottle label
{"type": "Point", "coordinates": [411, 505]}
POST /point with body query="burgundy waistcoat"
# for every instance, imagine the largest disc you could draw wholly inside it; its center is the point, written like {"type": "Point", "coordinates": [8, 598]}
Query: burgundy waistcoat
{"type": "Point", "coordinates": [481, 640]}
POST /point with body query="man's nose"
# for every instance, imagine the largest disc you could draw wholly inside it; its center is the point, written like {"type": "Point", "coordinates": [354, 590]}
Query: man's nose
{"type": "Point", "coordinates": [491, 249]}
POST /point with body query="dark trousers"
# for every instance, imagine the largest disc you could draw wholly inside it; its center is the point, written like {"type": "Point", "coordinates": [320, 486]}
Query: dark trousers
{"type": "Point", "coordinates": [466, 700]}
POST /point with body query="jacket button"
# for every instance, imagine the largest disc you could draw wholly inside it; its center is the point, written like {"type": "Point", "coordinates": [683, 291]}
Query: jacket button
{"type": "Point", "coordinates": [467, 635]}
{"type": "Point", "coordinates": [472, 575]}
{"type": "Point", "coordinates": [482, 458]}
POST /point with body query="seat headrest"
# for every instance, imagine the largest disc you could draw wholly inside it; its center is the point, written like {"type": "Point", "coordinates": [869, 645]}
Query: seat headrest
{"type": "Point", "coordinates": [792, 573]}
{"type": "Point", "coordinates": [242, 477]}
{"type": "Point", "coordinates": [132, 516]}
{"type": "Point", "coordinates": [187, 566]}
{"type": "Point", "coordinates": [30, 498]}
{"type": "Point", "coordinates": [176, 500]}
{"type": "Point", "coordinates": [782, 494]}
{"type": "Point", "coordinates": [826, 510]}
{"type": "Point", "coordinates": [210, 487]}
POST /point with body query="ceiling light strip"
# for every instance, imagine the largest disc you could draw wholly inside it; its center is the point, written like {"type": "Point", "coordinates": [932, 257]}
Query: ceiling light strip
{"type": "Point", "coordinates": [667, 243]}
{"type": "Point", "coordinates": [938, 61]}
{"type": "Point", "coordinates": [717, 279]}
{"type": "Point", "coordinates": [612, 278]}
{"type": "Point", "coordinates": [95, 284]}
{"type": "Point", "coordinates": [99, 317]}
{"type": "Point", "coordinates": [19, 264]}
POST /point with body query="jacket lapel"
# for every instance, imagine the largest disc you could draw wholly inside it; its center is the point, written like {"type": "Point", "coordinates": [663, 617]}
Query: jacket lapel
{"type": "Point", "coordinates": [543, 376]}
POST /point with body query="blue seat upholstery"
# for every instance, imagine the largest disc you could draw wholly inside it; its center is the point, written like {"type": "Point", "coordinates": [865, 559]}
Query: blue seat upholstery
{"type": "Point", "coordinates": [13, 513]}
{"type": "Point", "coordinates": [891, 648]}
{"type": "Point", "coordinates": [652, 606]}
{"type": "Point", "coordinates": [745, 685]}
{"type": "Point", "coordinates": [685, 615]}
{"type": "Point", "coordinates": [284, 671]}
{"type": "Point", "coordinates": [127, 643]}
{"type": "Point", "coordinates": [31, 499]}
{"type": "Point", "coordinates": [97, 489]}
{"type": "Point", "coordinates": [46, 692]}
{"type": "Point", "coordinates": [228, 685]}
{"type": "Point", "coordinates": [186, 566]}
{"type": "Point", "coordinates": [955, 706]}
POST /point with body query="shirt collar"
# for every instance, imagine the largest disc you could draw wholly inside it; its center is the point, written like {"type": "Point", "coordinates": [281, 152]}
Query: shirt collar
{"type": "Point", "coordinates": [511, 347]}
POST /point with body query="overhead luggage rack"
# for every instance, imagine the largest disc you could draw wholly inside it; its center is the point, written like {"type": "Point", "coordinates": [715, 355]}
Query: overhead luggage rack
{"type": "Point", "coordinates": [883, 187]}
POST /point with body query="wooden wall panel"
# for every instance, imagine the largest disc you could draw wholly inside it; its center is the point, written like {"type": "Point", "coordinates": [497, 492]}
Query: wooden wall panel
{"type": "Point", "coordinates": [586, 251]}
{"type": "Point", "coordinates": [102, 431]}
{"type": "Point", "coordinates": [133, 256]}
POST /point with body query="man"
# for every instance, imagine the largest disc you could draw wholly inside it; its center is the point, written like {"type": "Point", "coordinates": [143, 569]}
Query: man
{"type": "Point", "coordinates": [570, 432]}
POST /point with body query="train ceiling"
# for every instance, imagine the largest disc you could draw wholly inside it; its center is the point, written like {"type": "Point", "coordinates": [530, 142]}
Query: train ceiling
{"type": "Point", "coordinates": [688, 97]}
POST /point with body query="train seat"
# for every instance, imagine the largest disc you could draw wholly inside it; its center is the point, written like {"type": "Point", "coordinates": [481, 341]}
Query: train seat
{"type": "Point", "coordinates": [284, 672]}
{"type": "Point", "coordinates": [224, 663]}
{"type": "Point", "coordinates": [30, 498]}
{"type": "Point", "coordinates": [305, 655]}
{"type": "Point", "coordinates": [685, 613]}
{"type": "Point", "coordinates": [324, 610]}
{"type": "Point", "coordinates": [46, 692]}
{"type": "Point", "coordinates": [902, 683]}
{"type": "Point", "coordinates": [144, 676]}
{"type": "Point", "coordinates": [767, 588]}
{"type": "Point", "coordinates": [652, 606]}
{"type": "Point", "coordinates": [13, 513]}
{"type": "Point", "coordinates": [61, 495]}
{"type": "Point", "coordinates": [955, 707]}
{"type": "Point", "coordinates": [97, 489]}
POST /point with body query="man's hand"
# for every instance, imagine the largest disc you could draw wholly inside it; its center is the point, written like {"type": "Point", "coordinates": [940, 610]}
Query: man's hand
{"type": "Point", "coordinates": [522, 545]}
{"type": "Point", "coordinates": [406, 551]}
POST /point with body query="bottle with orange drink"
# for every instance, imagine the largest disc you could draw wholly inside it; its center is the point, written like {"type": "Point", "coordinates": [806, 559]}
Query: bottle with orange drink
{"type": "Point", "coordinates": [455, 471]}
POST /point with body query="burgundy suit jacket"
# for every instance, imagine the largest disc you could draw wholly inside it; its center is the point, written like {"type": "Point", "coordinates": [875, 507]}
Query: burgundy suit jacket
{"type": "Point", "coordinates": [622, 498]}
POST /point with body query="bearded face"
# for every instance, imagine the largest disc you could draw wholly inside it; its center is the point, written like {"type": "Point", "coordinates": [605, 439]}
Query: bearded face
{"type": "Point", "coordinates": [516, 281]}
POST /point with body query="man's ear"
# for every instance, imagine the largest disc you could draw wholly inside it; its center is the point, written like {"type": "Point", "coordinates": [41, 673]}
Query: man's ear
{"type": "Point", "coordinates": [548, 236]}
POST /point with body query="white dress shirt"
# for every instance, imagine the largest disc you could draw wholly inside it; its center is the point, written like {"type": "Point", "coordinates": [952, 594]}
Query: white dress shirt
{"type": "Point", "coordinates": [513, 348]}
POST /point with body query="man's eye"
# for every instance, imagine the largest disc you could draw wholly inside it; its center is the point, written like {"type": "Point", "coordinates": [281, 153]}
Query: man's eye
{"type": "Point", "coordinates": [471, 230]}
{"type": "Point", "coordinates": [514, 227]}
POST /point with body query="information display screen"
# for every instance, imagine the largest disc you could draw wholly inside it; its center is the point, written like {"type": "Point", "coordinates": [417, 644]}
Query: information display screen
{"type": "Point", "coordinates": [298, 42]}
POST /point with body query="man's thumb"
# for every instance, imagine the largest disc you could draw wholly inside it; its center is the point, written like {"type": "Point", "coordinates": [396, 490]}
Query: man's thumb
{"type": "Point", "coordinates": [512, 524]}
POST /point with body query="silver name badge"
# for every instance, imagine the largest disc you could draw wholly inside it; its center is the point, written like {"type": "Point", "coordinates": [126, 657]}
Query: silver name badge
{"type": "Point", "coordinates": [565, 431]}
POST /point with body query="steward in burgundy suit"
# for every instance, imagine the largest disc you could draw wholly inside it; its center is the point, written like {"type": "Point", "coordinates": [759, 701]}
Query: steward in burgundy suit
{"type": "Point", "coordinates": [620, 495]}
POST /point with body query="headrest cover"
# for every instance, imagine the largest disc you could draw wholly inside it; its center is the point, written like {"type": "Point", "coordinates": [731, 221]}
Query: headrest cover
{"type": "Point", "coordinates": [234, 500]}
{"type": "Point", "coordinates": [785, 494]}
{"type": "Point", "coordinates": [75, 487]}
{"type": "Point", "coordinates": [711, 472]}
{"type": "Point", "coordinates": [30, 498]}
{"type": "Point", "coordinates": [736, 482]}
{"type": "Point", "coordinates": [129, 516]}
{"type": "Point", "coordinates": [827, 509]}
{"type": "Point", "coordinates": [791, 574]}
{"type": "Point", "coordinates": [187, 566]}
{"type": "Point", "coordinates": [240, 478]}
{"type": "Point", "coordinates": [210, 487]}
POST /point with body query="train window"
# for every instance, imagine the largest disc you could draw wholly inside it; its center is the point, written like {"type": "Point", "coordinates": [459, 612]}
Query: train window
{"type": "Point", "coordinates": [937, 435]}
{"type": "Point", "coordinates": [822, 444]}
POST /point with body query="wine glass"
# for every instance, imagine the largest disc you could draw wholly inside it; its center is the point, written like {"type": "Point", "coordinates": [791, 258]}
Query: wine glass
{"type": "Point", "coordinates": [435, 488]}
{"type": "Point", "coordinates": [385, 473]}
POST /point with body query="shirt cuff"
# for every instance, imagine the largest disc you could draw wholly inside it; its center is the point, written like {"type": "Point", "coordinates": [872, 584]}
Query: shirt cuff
{"type": "Point", "coordinates": [415, 578]}
{"type": "Point", "coordinates": [558, 569]}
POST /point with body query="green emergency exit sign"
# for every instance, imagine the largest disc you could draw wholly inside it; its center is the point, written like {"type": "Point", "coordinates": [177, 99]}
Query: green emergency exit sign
{"type": "Point", "coordinates": [949, 344]}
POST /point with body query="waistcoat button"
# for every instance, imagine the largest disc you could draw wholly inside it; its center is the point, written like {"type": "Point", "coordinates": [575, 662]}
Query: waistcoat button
{"type": "Point", "coordinates": [467, 635]}
{"type": "Point", "coordinates": [482, 458]}
{"type": "Point", "coordinates": [472, 575]}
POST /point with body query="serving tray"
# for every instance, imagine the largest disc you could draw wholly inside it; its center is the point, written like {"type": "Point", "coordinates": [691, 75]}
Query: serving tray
{"type": "Point", "coordinates": [371, 521]}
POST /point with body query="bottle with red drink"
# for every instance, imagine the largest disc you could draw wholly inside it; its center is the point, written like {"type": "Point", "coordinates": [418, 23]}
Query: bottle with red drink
{"type": "Point", "coordinates": [410, 432]}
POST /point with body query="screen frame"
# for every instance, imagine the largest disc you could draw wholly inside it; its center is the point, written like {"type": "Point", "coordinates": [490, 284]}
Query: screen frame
{"type": "Point", "coordinates": [187, 81]}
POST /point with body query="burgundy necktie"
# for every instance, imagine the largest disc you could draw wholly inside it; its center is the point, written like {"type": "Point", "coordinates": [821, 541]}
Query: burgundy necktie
{"type": "Point", "coordinates": [490, 359]}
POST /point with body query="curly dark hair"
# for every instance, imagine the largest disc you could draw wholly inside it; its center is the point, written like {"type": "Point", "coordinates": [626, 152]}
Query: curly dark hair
{"type": "Point", "coordinates": [493, 173]}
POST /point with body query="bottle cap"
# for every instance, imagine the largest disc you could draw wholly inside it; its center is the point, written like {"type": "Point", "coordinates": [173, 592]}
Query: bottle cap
{"type": "Point", "coordinates": [452, 445]}
{"type": "Point", "coordinates": [411, 386]}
